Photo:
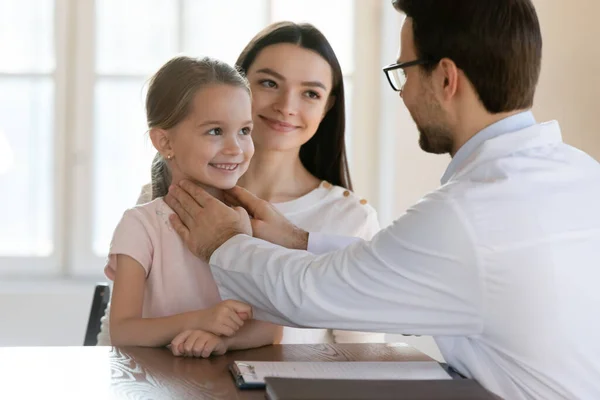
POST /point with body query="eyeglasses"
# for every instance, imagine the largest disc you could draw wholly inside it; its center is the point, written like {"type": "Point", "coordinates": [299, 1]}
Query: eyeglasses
{"type": "Point", "coordinates": [396, 75]}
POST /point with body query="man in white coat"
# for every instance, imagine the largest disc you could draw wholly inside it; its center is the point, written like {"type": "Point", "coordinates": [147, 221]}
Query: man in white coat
{"type": "Point", "coordinates": [499, 264]}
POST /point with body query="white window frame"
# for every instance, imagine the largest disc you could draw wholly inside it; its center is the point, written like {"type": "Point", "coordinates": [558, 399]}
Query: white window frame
{"type": "Point", "coordinates": [80, 151]}
{"type": "Point", "coordinates": [52, 264]}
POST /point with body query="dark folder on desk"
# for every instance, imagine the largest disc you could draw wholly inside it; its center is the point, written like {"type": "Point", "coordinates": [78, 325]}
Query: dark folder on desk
{"type": "Point", "coordinates": [338, 389]}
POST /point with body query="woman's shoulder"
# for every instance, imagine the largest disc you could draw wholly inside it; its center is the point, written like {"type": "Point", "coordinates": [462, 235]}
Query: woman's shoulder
{"type": "Point", "coordinates": [327, 199]}
{"type": "Point", "coordinates": [338, 211]}
{"type": "Point", "coordinates": [346, 201]}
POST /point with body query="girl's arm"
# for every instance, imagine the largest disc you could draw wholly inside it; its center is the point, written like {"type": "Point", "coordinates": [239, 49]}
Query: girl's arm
{"type": "Point", "coordinates": [203, 344]}
{"type": "Point", "coordinates": [128, 328]}
{"type": "Point", "coordinates": [254, 334]}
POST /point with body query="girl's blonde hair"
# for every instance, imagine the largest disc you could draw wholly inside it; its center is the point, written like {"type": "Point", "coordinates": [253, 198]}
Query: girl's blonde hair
{"type": "Point", "coordinates": [170, 96]}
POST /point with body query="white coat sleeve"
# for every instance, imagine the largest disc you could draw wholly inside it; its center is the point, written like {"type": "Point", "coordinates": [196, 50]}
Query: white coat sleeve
{"type": "Point", "coordinates": [368, 227]}
{"type": "Point", "coordinates": [418, 276]}
{"type": "Point", "coordinates": [321, 243]}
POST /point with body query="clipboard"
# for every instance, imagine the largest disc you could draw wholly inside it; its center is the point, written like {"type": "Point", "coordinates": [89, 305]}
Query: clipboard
{"type": "Point", "coordinates": [239, 370]}
{"type": "Point", "coordinates": [252, 374]}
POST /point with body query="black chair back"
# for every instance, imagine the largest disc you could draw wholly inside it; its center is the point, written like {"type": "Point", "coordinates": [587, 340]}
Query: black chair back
{"type": "Point", "coordinates": [99, 303]}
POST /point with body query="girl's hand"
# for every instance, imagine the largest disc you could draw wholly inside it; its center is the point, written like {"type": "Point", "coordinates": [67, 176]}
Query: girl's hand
{"type": "Point", "coordinates": [197, 343]}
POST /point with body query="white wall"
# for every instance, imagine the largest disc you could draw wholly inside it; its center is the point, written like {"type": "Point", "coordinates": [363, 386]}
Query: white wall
{"type": "Point", "coordinates": [44, 313]}
{"type": "Point", "coordinates": [569, 89]}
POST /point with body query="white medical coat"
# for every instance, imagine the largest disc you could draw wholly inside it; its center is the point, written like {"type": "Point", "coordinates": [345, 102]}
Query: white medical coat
{"type": "Point", "coordinates": [501, 265]}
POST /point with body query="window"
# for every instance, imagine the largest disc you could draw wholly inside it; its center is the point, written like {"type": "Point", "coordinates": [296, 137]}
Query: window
{"type": "Point", "coordinates": [132, 42]}
{"type": "Point", "coordinates": [27, 135]}
{"type": "Point", "coordinates": [74, 149]}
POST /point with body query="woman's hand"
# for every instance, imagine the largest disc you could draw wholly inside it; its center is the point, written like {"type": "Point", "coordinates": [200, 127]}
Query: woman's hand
{"type": "Point", "coordinates": [197, 343]}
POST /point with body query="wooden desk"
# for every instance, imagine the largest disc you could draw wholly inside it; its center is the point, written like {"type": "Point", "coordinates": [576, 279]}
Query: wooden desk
{"type": "Point", "coordinates": [141, 373]}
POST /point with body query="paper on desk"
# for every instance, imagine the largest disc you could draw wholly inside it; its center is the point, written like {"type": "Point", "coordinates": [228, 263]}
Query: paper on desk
{"type": "Point", "coordinates": [256, 371]}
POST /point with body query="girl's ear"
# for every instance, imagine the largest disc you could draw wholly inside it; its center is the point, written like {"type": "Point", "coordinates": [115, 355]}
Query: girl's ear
{"type": "Point", "coordinates": [162, 142]}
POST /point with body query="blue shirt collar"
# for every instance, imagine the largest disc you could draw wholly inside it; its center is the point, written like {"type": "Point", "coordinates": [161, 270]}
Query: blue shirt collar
{"type": "Point", "coordinates": [507, 125]}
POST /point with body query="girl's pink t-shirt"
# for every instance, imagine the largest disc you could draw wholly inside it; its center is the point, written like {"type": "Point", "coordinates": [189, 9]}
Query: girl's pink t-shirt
{"type": "Point", "coordinates": [176, 280]}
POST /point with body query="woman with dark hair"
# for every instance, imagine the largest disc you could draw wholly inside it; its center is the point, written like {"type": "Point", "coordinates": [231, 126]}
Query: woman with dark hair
{"type": "Point", "coordinates": [300, 162]}
{"type": "Point", "coordinates": [295, 74]}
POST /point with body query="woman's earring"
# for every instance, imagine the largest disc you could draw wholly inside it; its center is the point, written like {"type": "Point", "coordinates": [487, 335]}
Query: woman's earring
{"type": "Point", "coordinates": [169, 157]}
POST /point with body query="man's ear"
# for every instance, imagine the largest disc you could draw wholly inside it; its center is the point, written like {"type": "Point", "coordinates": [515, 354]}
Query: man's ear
{"type": "Point", "coordinates": [162, 143]}
{"type": "Point", "coordinates": [447, 78]}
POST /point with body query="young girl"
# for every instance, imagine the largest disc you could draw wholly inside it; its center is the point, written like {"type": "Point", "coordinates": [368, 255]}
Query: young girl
{"type": "Point", "coordinates": [199, 117]}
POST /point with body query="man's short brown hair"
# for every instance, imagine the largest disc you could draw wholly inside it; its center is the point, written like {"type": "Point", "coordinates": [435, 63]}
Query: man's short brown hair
{"type": "Point", "coordinates": [496, 43]}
